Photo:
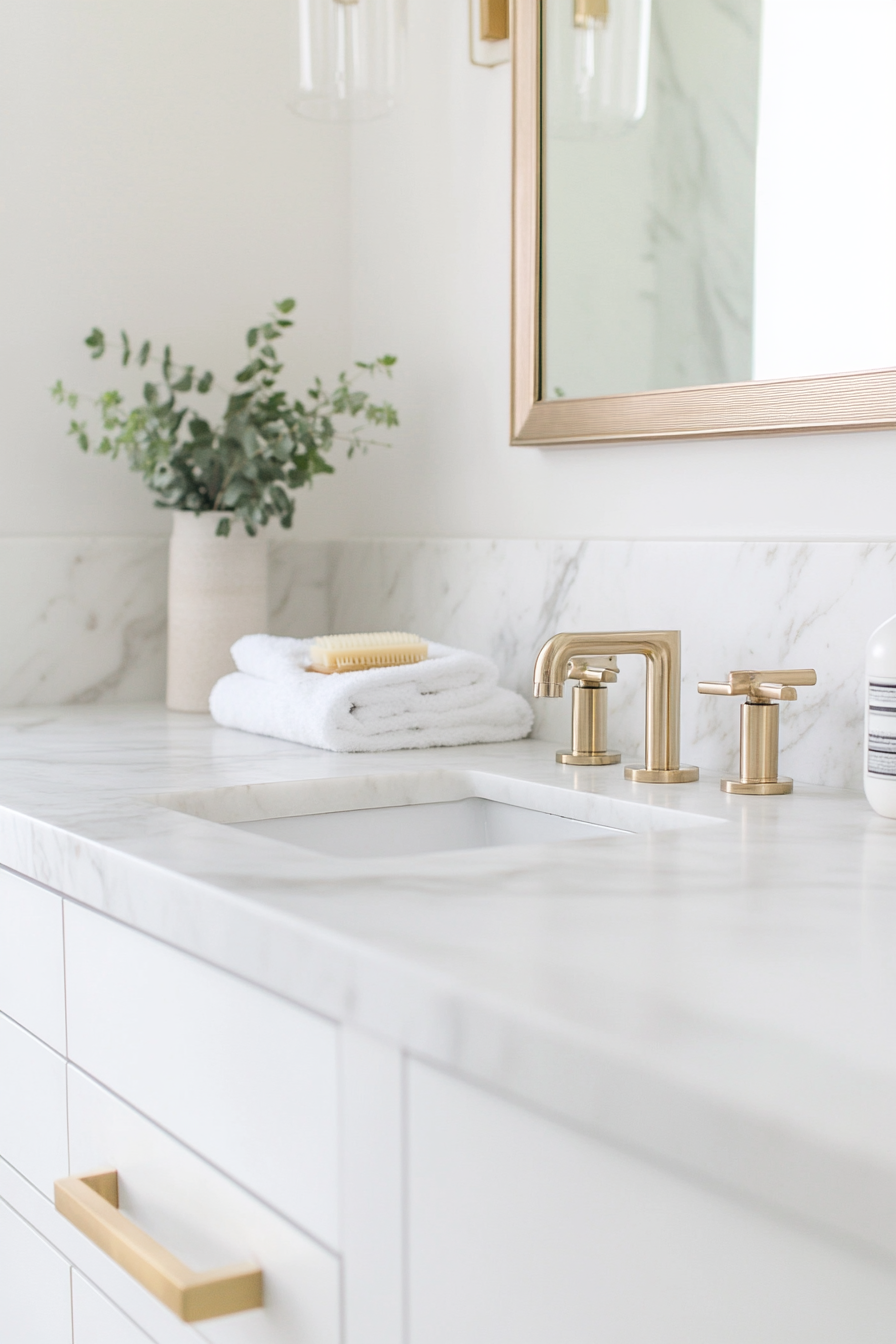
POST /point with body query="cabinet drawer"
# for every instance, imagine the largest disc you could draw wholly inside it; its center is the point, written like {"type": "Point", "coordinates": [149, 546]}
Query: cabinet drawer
{"type": "Point", "coordinates": [95, 1320]}
{"type": "Point", "coordinates": [521, 1231]}
{"type": "Point", "coordinates": [35, 1289]}
{"type": "Point", "coordinates": [244, 1078]}
{"type": "Point", "coordinates": [32, 1107]}
{"type": "Point", "coordinates": [206, 1221]}
{"type": "Point", "coordinates": [32, 985]}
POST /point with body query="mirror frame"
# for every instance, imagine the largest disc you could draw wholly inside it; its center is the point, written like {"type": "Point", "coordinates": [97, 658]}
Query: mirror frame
{"type": "Point", "coordinates": [826, 403]}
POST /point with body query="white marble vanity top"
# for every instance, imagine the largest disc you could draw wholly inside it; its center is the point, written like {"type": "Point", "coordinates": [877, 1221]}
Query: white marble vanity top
{"type": "Point", "coordinates": [718, 995]}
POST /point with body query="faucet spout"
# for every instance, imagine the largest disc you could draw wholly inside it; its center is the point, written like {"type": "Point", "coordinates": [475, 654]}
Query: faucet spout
{"type": "Point", "coordinates": [662, 715]}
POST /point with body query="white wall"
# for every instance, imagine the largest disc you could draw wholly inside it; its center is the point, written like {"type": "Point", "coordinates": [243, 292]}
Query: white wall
{"type": "Point", "coordinates": [151, 178]}
{"type": "Point", "coordinates": [430, 258]}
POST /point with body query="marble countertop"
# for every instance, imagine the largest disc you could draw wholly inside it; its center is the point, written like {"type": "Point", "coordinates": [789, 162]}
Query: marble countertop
{"type": "Point", "coordinates": [719, 995]}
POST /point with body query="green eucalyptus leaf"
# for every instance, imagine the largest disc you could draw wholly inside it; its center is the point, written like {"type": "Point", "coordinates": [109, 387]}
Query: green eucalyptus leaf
{"type": "Point", "coordinates": [245, 375]}
{"type": "Point", "coordinates": [265, 446]}
{"type": "Point", "coordinates": [223, 528]}
{"type": "Point", "coordinates": [97, 343]}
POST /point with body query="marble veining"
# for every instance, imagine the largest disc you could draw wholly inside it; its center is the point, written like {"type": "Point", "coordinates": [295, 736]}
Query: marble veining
{"type": "Point", "coordinates": [763, 604]}
{"type": "Point", "coordinates": [706, 77]}
{"type": "Point", "coordinates": [84, 621]}
{"type": "Point", "coordinates": [84, 618]}
{"type": "Point", "coordinates": [718, 993]}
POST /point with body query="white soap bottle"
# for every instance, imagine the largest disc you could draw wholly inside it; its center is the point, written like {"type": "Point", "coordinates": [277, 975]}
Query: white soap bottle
{"type": "Point", "coordinates": [880, 719]}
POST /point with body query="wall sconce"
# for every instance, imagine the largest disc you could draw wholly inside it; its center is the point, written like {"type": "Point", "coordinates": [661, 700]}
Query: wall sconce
{"type": "Point", "coordinates": [349, 58]}
{"type": "Point", "coordinates": [489, 32]}
{"type": "Point", "coordinates": [598, 64]}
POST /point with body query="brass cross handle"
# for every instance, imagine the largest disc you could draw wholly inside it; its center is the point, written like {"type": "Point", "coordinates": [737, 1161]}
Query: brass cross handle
{"type": "Point", "coordinates": [759, 725]}
{"type": "Point", "coordinates": [760, 688]}
{"type": "Point", "coordinates": [601, 671]}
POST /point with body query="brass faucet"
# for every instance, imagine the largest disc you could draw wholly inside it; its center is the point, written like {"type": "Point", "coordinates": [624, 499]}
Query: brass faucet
{"type": "Point", "coordinates": [567, 656]}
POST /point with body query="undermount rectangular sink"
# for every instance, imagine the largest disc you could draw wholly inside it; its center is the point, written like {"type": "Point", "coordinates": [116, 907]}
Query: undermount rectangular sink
{"type": "Point", "coordinates": [423, 828]}
{"type": "Point", "coordinates": [392, 814]}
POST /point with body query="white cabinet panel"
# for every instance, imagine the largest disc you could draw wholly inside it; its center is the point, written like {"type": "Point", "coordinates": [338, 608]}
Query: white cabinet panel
{"type": "Point", "coordinates": [207, 1221]}
{"type": "Point", "coordinates": [96, 1320]}
{"type": "Point", "coordinates": [32, 1107]}
{"type": "Point", "coordinates": [35, 1288]}
{"type": "Point", "coordinates": [523, 1232]}
{"type": "Point", "coordinates": [158, 1322]}
{"type": "Point", "coordinates": [372, 1189]}
{"type": "Point", "coordinates": [243, 1077]}
{"type": "Point", "coordinates": [31, 962]}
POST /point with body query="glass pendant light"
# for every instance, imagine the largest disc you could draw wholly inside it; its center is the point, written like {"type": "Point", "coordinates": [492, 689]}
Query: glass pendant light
{"type": "Point", "coordinates": [349, 58]}
{"type": "Point", "coordinates": [598, 54]}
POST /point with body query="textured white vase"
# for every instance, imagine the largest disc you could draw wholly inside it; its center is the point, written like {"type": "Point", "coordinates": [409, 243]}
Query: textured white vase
{"type": "Point", "coordinates": [217, 591]}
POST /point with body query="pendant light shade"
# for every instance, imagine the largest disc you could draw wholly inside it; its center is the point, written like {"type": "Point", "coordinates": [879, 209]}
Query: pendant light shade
{"type": "Point", "coordinates": [349, 58]}
{"type": "Point", "coordinates": [598, 62]}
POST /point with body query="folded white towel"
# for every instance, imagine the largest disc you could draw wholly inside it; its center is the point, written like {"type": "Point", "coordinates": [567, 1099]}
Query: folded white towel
{"type": "Point", "coordinates": [449, 700]}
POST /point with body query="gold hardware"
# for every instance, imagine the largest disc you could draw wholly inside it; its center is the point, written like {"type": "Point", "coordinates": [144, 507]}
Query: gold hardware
{"type": "Point", "coordinates": [590, 11]}
{"type": "Point", "coordinates": [836, 401]}
{"type": "Point", "coordinates": [565, 656]}
{"type": "Point", "coordinates": [91, 1203]}
{"type": "Point", "coordinates": [589, 712]}
{"type": "Point", "coordinates": [759, 725]}
{"type": "Point", "coordinates": [494, 20]}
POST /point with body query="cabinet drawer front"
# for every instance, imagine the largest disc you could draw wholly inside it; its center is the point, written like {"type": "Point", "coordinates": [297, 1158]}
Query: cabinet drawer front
{"type": "Point", "coordinates": [521, 1232]}
{"type": "Point", "coordinates": [32, 985]}
{"type": "Point", "coordinates": [206, 1221]}
{"type": "Point", "coordinates": [35, 1288]}
{"type": "Point", "coordinates": [96, 1320]}
{"type": "Point", "coordinates": [32, 1107]}
{"type": "Point", "coordinates": [246, 1079]}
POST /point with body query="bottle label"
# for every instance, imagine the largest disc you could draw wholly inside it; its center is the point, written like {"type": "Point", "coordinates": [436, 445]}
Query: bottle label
{"type": "Point", "coordinates": [882, 728]}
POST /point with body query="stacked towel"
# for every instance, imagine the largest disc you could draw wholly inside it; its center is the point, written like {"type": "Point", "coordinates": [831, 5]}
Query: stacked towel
{"type": "Point", "coordinates": [449, 700]}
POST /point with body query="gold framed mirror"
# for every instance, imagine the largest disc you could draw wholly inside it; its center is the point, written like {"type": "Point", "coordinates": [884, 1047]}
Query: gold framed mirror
{"type": "Point", "coordinates": [861, 399]}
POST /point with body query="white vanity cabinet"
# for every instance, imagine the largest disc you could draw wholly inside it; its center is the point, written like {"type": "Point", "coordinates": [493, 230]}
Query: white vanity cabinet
{"type": "Point", "coordinates": [216, 1102]}
{"type": "Point", "coordinates": [96, 1320]}
{"type": "Point", "coordinates": [521, 1230]}
{"type": "Point", "coordinates": [35, 1285]}
{"type": "Point", "coordinates": [386, 1201]}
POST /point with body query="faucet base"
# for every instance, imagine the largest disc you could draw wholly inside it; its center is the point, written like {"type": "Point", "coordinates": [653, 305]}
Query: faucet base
{"type": "Point", "coordinates": [589, 757]}
{"type": "Point", "coordinates": [685, 774]}
{"type": "Point", "coordinates": [780, 785]}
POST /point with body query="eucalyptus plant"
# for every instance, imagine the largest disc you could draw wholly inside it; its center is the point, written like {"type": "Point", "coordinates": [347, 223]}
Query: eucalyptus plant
{"type": "Point", "coordinates": [264, 446]}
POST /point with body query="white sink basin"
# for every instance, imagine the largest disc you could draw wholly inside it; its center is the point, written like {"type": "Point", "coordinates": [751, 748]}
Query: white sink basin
{"type": "Point", "coordinates": [423, 828]}
{"type": "Point", "coordinates": [391, 813]}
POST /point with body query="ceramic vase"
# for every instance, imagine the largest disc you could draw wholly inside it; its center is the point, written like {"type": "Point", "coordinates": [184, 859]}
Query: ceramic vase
{"type": "Point", "coordinates": [217, 591]}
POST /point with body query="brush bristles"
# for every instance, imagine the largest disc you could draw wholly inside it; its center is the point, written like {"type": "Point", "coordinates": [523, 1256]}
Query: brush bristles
{"type": "Point", "coordinates": [358, 653]}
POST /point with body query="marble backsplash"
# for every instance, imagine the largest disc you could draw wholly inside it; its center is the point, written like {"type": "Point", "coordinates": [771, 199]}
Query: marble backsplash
{"type": "Point", "coordinates": [84, 621]}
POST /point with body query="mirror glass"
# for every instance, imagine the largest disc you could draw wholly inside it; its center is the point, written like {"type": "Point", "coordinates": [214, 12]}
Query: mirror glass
{"type": "Point", "coordinates": [718, 192]}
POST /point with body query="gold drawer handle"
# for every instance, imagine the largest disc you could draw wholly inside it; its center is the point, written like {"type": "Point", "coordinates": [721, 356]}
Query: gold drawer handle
{"type": "Point", "coordinates": [91, 1203]}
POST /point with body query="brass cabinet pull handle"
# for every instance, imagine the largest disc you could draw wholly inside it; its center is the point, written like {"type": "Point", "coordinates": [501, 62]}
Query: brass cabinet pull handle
{"type": "Point", "coordinates": [91, 1203]}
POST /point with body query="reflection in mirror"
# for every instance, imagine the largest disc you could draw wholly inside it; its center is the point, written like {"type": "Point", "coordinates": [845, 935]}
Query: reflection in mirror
{"type": "Point", "coordinates": [719, 192]}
